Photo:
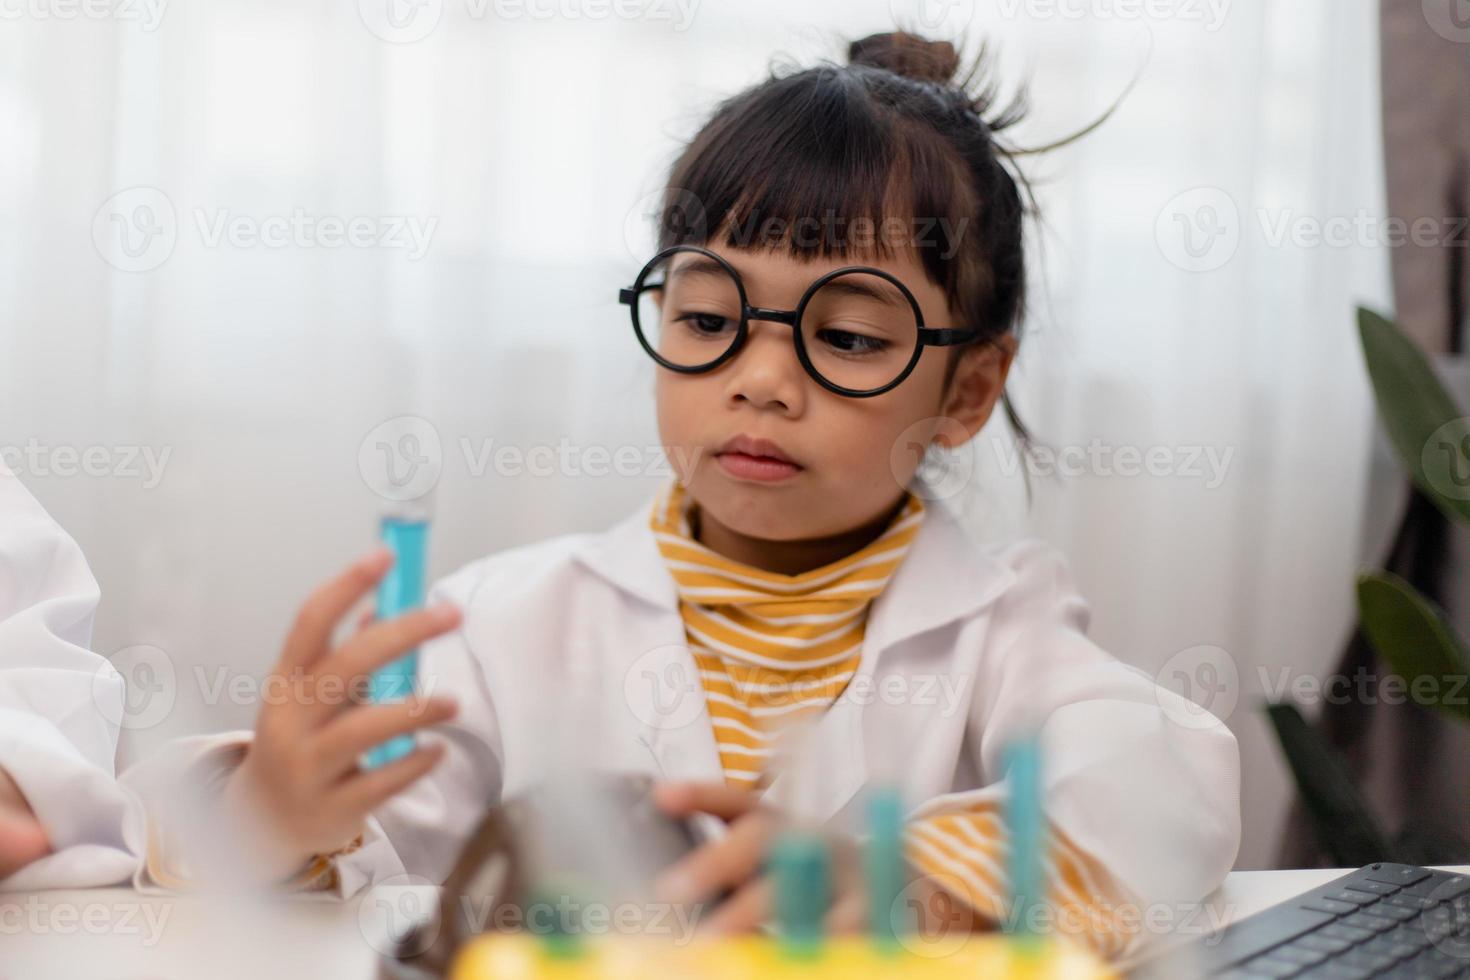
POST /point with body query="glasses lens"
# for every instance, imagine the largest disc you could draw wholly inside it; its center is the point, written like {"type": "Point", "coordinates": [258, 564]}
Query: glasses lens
{"type": "Point", "coordinates": [860, 331]}
{"type": "Point", "coordinates": [689, 310]}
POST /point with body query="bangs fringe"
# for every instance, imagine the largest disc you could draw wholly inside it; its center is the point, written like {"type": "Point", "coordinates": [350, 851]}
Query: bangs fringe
{"type": "Point", "coordinates": [808, 165]}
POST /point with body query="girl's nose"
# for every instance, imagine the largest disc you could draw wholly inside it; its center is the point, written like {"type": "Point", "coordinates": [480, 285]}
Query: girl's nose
{"type": "Point", "coordinates": [766, 373]}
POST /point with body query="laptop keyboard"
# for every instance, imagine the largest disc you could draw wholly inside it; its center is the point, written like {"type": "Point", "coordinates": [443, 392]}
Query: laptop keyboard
{"type": "Point", "coordinates": [1383, 920]}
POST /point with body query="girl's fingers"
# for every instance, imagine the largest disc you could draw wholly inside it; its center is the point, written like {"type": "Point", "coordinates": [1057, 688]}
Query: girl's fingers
{"type": "Point", "coordinates": [22, 840]}
{"type": "Point", "coordinates": [340, 681]}
{"type": "Point", "coordinates": [725, 802]}
{"type": "Point", "coordinates": [849, 914]}
{"type": "Point", "coordinates": [745, 911]}
{"type": "Point", "coordinates": [342, 740]}
{"type": "Point", "coordinates": [364, 619]}
{"type": "Point", "coordinates": [388, 640]}
{"type": "Point", "coordinates": [725, 863]}
{"type": "Point", "coordinates": [311, 635]}
{"type": "Point", "coordinates": [362, 794]}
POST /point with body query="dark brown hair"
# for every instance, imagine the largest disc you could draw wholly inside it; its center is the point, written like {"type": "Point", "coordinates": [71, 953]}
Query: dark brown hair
{"type": "Point", "coordinates": [892, 134]}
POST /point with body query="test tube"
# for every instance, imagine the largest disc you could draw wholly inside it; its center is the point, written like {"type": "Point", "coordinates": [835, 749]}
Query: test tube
{"type": "Point", "coordinates": [405, 531]}
{"type": "Point", "coordinates": [885, 870]}
{"type": "Point", "coordinates": [801, 869]}
{"type": "Point", "coordinates": [1025, 823]}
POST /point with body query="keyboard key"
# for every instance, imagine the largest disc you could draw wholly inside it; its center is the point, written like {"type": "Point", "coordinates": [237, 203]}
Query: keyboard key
{"type": "Point", "coordinates": [1327, 944]}
{"type": "Point", "coordinates": [1438, 963]}
{"type": "Point", "coordinates": [1366, 960]}
{"type": "Point", "coordinates": [1391, 947]}
{"type": "Point", "coordinates": [1395, 874]}
{"type": "Point", "coordinates": [1395, 912]}
{"type": "Point", "coordinates": [1410, 902]}
{"type": "Point", "coordinates": [1454, 888]}
{"type": "Point", "coordinates": [1427, 886]}
{"type": "Point", "coordinates": [1351, 933]}
{"type": "Point", "coordinates": [1351, 897]}
{"type": "Point", "coordinates": [1437, 929]}
{"type": "Point", "coordinates": [1373, 923]}
{"type": "Point", "coordinates": [1404, 971]}
{"type": "Point", "coordinates": [1368, 885]}
{"type": "Point", "coordinates": [1335, 971]}
{"type": "Point", "coordinates": [1329, 906]}
{"type": "Point", "coordinates": [1300, 954]}
{"type": "Point", "coordinates": [1416, 934]}
{"type": "Point", "coordinates": [1269, 966]}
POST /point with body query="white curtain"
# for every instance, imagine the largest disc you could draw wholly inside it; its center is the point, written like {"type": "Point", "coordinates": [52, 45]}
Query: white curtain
{"type": "Point", "coordinates": [242, 240]}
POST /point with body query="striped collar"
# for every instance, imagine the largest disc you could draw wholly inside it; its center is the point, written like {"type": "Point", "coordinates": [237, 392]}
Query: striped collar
{"type": "Point", "coordinates": [945, 576]}
{"type": "Point", "coordinates": [707, 578]}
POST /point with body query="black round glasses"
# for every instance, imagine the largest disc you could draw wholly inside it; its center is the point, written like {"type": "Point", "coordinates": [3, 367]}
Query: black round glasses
{"type": "Point", "coordinates": [858, 331]}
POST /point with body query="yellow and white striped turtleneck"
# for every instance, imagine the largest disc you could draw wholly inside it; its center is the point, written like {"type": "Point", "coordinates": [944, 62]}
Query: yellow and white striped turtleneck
{"type": "Point", "coordinates": [772, 649]}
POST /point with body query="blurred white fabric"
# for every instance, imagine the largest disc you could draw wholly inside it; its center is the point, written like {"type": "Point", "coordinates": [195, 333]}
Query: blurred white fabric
{"type": "Point", "coordinates": [177, 299]}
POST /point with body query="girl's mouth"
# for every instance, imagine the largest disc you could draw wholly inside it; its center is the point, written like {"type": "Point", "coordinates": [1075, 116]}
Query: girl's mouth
{"type": "Point", "coordinates": [758, 460]}
{"type": "Point", "coordinates": [762, 468]}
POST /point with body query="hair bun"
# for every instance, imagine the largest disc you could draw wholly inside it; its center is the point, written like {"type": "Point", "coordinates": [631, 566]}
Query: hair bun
{"type": "Point", "coordinates": [908, 55]}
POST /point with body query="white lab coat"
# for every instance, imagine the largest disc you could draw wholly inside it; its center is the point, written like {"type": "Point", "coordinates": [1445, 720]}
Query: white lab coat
{"type": "Point", "coordinates": [575, 647]}
{"type": "Point", "coordinates": [60, 704]}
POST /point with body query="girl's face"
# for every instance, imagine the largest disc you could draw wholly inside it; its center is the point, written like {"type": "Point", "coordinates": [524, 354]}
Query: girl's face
{"type": "Point", "coordinates": [847, 460]}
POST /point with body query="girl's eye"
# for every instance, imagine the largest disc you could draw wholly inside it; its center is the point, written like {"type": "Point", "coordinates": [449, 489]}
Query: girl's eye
{"type": "Point", "coordinates": [847, 342]}
{"type": "Point", "coordinates": [707, 324]}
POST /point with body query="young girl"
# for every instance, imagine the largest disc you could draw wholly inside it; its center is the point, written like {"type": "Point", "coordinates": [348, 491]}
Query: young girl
{"type": "Point", "coordinates": [838, 286]}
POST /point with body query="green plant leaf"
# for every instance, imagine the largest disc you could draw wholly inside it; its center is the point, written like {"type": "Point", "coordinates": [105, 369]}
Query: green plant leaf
{"type": "Point", "coordinates": [1415, 406]}
{"type": "Point", "coordinates": [1344, 823]}
{"type": "Point", "coordinates": [1412, 637]}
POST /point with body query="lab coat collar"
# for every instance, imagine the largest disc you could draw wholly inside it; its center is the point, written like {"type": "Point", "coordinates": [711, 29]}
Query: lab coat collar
{"type": "Point", "coordinates": [945, 576]}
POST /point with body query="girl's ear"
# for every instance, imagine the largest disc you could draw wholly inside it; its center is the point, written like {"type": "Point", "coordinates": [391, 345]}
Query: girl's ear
{"type": "Point", "coordinates": [979, 379]}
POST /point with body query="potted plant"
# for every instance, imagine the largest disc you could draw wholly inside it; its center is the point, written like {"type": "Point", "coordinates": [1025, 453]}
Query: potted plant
{"type": "Point", "coordinates": [1431, 437]}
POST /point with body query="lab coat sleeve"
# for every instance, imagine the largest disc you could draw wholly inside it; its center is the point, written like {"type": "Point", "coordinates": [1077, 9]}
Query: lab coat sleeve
{"type": "Point", "coordinates": [179, 787]}
{"type": "Point", "coordinates": [415, 836]}
{"type": "Point", "coordinates": [1141, 787]}
{"type": "Point", "coordinates": [60, 704]}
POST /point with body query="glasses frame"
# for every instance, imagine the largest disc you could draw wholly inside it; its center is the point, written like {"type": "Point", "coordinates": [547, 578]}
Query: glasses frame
{"type": "Point", "coordinates": [927, 336]}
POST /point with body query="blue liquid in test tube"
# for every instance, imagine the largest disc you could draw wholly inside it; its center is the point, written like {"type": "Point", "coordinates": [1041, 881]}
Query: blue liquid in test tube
{"type": "Point", "coordinates": [400, 591]}
{"type": "Point", "coordinates": [1026, 823]}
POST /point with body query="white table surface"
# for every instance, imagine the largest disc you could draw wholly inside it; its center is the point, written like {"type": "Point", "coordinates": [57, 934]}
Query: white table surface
{"type": "Point", "coordinates": [119, 933]}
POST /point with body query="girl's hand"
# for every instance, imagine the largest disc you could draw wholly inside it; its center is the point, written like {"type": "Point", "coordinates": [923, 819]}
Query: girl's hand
{"type": "Point", "coordinates": [736, 862]}
{"type": "Point", "coordinates": [299, 789]}
{"type": "Point", "coordinates": [22, 840]}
